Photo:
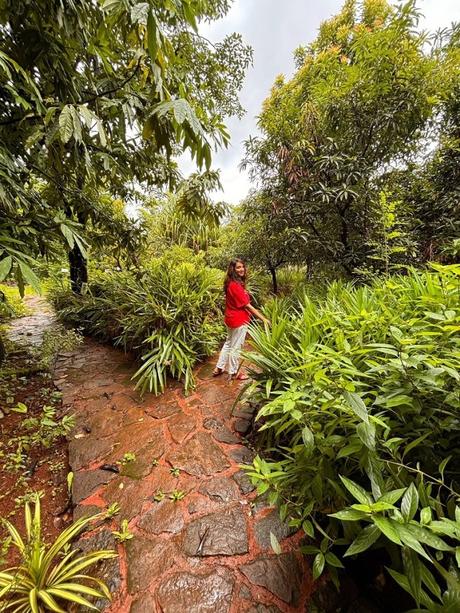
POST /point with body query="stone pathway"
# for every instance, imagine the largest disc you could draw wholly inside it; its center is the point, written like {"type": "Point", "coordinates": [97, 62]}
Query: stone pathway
{"type": "Point", "coordinates": [29, 330]}
{"type": "Point", "coordinates": [208, 551]}
{"type": "Point", "coordinates": [201, 540]}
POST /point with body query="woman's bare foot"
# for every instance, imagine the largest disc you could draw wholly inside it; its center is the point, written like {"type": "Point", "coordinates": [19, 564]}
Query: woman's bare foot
{"type": "Point", "coordinates": [240, 376]}
{"type": "Point", "coordinates": [217, 372]}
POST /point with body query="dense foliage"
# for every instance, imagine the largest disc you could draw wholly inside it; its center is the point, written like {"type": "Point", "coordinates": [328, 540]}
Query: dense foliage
{"type": "Point", "coordinates": [94, 97]}
{"type": "Point", "coordinates": [367, 96]}
{"type": "Point", "coordinates": [359, 402]}
{"type": "Point", "coordinates": [167, 313]}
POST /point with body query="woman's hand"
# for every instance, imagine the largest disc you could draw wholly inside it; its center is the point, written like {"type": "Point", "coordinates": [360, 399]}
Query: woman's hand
{"type": "Point", "coordinates": [258, 314]}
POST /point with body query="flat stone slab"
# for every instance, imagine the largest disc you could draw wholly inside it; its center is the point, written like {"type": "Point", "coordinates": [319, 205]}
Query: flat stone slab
{"type": "Point", "coordinates": [180, 425]}
{"type": "Point", "coordinates": [224, 533]}
{"type": "Point", "coordinates": [85, 482]}
{"type": "Point", "coordinates": [220, 431]}
{"type": "Point", "coordinates": [280, 574]}
{"type": "Point", "coordinates": [83, 451]}
{"type": "Point", "coordinates": [199, 456]}
{"type": "Point", "coordinates": [190, 593]}
{"type": "Point", "coordinates": [220, 489]}
{"type": "Point", "coordinates": [243, 482]}
{"type": "Point", "coordinates": [271, 523]}
{"type": "Point", "coordinates": [165, 516]}
{"type": "Point", "coordinates": [147, 560]}
{"type": "Point", "coordinates": [144, 603]}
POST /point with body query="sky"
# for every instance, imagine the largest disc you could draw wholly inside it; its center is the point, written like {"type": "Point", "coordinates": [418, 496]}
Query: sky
{"type": "Point", "coordinates": [274, 29]}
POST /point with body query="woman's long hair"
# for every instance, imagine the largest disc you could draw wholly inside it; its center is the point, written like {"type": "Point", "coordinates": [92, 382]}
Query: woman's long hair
{"type": "Point", "coordinates": [232, 275]}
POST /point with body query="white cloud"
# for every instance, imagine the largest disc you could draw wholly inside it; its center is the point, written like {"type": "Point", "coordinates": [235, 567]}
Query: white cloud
{"type": "Point", "coordinates": [274, 30]}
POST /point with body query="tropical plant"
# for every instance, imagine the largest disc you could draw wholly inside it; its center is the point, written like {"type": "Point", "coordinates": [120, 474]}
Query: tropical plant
{"type": "Point", "coordinates": [94, 98]}
{"type": "Point", "coordinates": [359, 390]}
{"type": "Point", "coordinates": [49, 577]}
{"type": "Point", "coordinates": [168, 313]}
{"type": "Point", "coordinates": [364, 94]}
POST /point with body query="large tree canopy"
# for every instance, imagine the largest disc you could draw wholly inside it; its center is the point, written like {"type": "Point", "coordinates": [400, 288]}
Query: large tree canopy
{"type": "Point", "coordinates": [96, 95]}
{"type": "Point", "coordinates": [361, 100]}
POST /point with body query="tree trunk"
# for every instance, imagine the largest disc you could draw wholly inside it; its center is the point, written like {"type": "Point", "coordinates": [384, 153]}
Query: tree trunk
{"type": "Point", "coordinates": [272, 271]}
{"type": "Point", "coordinates": [78, 269]}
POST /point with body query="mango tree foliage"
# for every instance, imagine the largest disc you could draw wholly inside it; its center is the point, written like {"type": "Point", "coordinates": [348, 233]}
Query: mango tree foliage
{"type": "Point", "coordinates": [260, 238]}
{"type": "Point", "coordinates": [360, 101]}
{"type": "Point", "coordinates": [98, 94]}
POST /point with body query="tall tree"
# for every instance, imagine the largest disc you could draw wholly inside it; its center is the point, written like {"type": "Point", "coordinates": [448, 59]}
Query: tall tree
{"type": "Point", "coordinates": [96, 95]}
{"type": "Point", "coordinates": [360, 101]}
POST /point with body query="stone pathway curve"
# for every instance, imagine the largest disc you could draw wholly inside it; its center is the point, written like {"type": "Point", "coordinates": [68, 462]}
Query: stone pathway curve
{"type": "Point", "coordinates": [201, 541]}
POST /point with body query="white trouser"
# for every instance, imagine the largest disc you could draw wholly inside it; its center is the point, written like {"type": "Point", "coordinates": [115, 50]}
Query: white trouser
{"type": "Point", "coordinates": [231, 350]}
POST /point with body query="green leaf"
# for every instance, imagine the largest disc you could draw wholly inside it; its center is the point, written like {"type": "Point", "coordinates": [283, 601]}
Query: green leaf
{"type": "Point", "coordinates": [349, 515]}
{"type": "Point", "coordinates": [425, 515]}
{"type": "Point", "coordinates": [308, 528]}
{"type": "Point", "coordinates": [409, 503]}
{"type": "Point", "coordinates": [333, 560]}
{"type": "Point", "coordinates": [308, 440]}
{"type": "Point", "coordinates": [364, 540]}
{"type": "Point", "coordinates": [393, 496]}
{"type": "Point", "coordinates": [357, 405]}
{"type": "Point", "coordinates": [366, 432]}
{"type": "Point", "coordinates": [318, 565]}
{"type": "Point", "coordinates": [387, 527]}
{"type": "Point", "coordinates": [66, 127]}
{"type": "Point", "coordinates": [413, 572]}
{"type": "Point", "coordinates": [29, 276]}
{"type": "Point", "coordinates": [275, 543]}
{"type": "Point", "coordinates": [5, 267]}
{"type": "Point", "coordinates": [356, 490]}
{"type": "Point", "coordinates": [152, 35]}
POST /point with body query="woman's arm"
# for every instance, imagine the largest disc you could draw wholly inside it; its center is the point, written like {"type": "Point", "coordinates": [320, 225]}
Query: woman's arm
{"type": "Point", "coordinates": [257, 313]}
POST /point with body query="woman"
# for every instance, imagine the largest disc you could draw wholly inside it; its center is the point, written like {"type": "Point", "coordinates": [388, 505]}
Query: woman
{"type": "Point", "coordinates": [238, 310]}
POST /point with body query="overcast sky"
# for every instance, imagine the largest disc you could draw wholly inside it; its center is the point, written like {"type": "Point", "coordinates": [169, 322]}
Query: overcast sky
{"type": "Point", "coordinates": [274, 29]}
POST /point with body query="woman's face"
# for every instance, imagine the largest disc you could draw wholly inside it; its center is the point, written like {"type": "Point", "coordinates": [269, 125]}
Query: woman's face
{"type": "Point", "coordinates": [240, 269]}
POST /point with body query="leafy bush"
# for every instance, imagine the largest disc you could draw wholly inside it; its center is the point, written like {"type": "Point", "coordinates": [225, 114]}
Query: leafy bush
{"type": "Point", "coordinates": [169, 314]}
{"type": "Point", "coordinates": [49, 576]}
{"type": "Point", "coordinates": [359, 407]}
{"type": "Point", "coordinates": [11, 303]}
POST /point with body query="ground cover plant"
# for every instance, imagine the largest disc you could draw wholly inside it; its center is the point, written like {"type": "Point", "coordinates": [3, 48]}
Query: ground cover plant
{"type": "Point", "coordinates": [359, 405]}
{"type": "Point", "coordinates": [50, 577]}
{"type": "Point", "coordinates": [167, 313]}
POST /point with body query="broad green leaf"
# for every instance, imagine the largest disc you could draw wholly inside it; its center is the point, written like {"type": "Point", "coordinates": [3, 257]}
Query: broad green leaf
{"type": "Point", "coordinates": [66, 127]}
{"type": "Point", "coordinates": [333, 560]}
{"type": "Point", "coordinates": [356, 490]}
{"type": "Point", "coordinates": [409, 503]}
{"type": "Point", "coordinates": [349, 515]}
{"type": "Point", "coordinates": [393, 496]}
{"type": "Point", "coordinates": [412, 568]}
{"type": "Point", "coordinates": [5, 267]}
{"type": "Point", "coordinates": [388, 528]}
{"type": "Point", "coordinates": [357, 405]}
{"type": "Point", "coordinates": [29, 276]}
{"type": "Point", "coordinates": [152, 35]}
{"type": "Point", "coordinates": [318, 565]}
{"type": "Point", "coordinates": [308, 440]}
{"type": "Point", "coordinates": [364, 540]}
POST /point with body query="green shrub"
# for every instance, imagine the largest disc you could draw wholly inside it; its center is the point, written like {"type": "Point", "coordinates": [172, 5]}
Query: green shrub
{"type": "Point", "coordinates": [359, 406]}
{"type": "Point", "coordinates": [169, 314]}
{"type": "Point", "coordinates": [11, 303]}
{"type": "Point", "coordinates": [50, 577]}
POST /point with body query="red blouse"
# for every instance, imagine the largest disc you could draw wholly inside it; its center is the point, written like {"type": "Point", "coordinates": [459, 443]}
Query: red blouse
{"type": "Point", "coordinates": [236, 299]}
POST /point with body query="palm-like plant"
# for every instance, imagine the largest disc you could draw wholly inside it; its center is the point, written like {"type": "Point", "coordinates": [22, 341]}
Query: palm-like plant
{"type": "Point", "coordinates": [46, 576]}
